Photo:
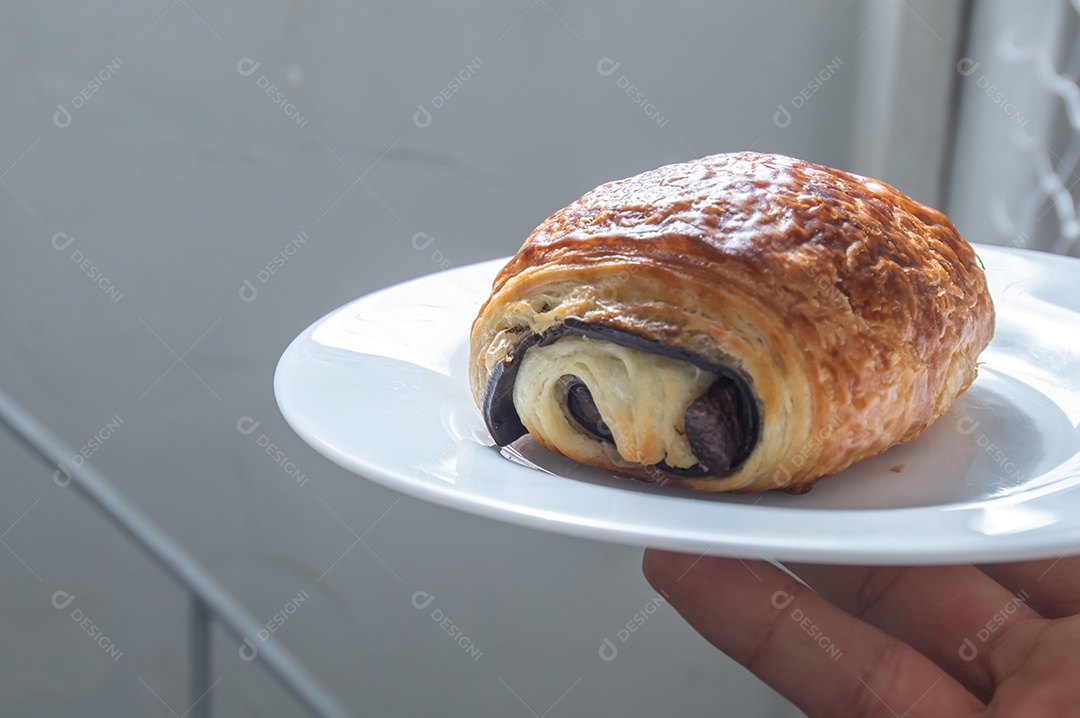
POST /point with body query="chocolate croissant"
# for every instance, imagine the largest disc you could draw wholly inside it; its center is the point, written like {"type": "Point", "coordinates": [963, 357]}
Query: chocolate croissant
{"type": "Point", "coordinates": [740, 322]}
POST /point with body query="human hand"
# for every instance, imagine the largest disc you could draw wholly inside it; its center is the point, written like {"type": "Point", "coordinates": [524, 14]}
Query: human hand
{"type": "Point", "coordinates": [998, 640]}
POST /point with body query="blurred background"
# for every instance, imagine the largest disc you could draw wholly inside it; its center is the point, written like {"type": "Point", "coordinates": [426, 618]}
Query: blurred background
{"type": "Point", "coordinates": [186, 185]}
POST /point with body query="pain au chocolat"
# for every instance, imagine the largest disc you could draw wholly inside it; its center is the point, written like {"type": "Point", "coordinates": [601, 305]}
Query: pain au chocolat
{"type": "Point", "coordinates": [740, 322]}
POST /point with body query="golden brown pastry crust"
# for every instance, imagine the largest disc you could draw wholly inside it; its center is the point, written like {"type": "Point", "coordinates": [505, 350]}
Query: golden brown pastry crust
{"type": "Point", "coordinates": [856, 313]}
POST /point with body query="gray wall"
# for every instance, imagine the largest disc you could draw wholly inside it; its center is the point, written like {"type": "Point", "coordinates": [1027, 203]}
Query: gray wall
{"type": "Point", "coordinates": [1015, 133]}
{"type": "Point", "coordinates": [179, 178]}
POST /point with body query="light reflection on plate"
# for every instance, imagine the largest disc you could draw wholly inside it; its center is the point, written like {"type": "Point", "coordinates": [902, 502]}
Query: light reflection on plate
{"type": "Point", "coordinates": [379, 386]}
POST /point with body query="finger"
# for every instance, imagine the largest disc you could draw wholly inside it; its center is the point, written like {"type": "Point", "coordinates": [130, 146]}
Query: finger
{"type": "Point", "coordinates": [1044, 684]}
{"type": "Point", "coordinates": [1052, 587]}
{"type": "Point", "coordinates": [956, 616]}
{"type": "Point", "coordinates": [822, 659]}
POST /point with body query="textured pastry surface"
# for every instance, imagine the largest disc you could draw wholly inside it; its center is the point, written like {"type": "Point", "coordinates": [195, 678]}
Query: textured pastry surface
{"type": "Point", "coordinates": [851, 315]}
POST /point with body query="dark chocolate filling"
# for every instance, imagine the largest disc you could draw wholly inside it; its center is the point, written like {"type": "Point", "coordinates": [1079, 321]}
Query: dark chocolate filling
{"type": "Point", "coordinates": [714, 426]}
{"type": "Point", "coordinates": [722, 426]}
{"type": "Point", "coordinates": [581, 408]}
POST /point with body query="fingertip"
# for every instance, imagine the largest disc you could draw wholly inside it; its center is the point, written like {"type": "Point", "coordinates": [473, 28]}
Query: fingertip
{"type": "Point", "coordinates": [656, 568]}
{"type": "Point", "coordinates": [650, 566]}
{"type": "Point", "coordinates": [660, 567]}
{"type": "Point", "coordinates": [652, 559]}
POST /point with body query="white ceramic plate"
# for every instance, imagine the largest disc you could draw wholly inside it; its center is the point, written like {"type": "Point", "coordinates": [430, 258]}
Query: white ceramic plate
{"type": "Point", "coordinates": [379, 386]}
